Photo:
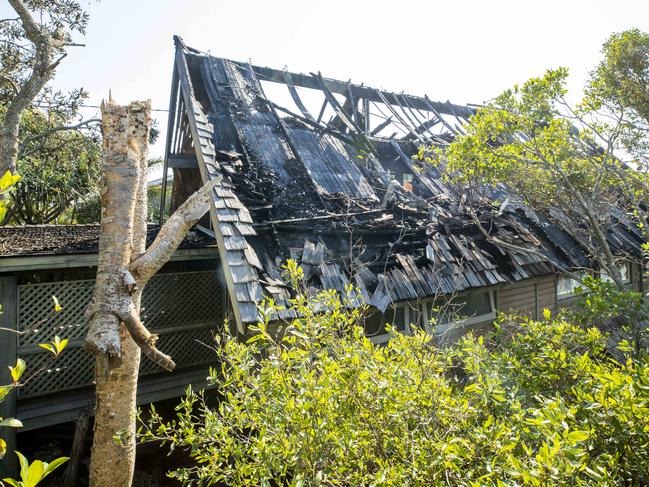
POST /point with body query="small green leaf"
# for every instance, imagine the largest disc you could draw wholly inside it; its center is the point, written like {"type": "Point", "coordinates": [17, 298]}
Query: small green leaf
{"type": "Point", "coordinates": [577, 436]}
{"type": "Point", "coordinates": [11, 423]}
{"type": "Point", "coordinates": [4, 390]}
{"type": "Point", "coordinates": [24, 465]}
{"type": "Point", "coordinates": [34, 474]}
{"type": "Point", "coordinates": [54, 464]}
{"type": "Point", "coordinates": [47, 346]}
{"type": "Point", "coordinates": [8, 180]}
{"type": "Point", "coordinates": [17, 371]}
{"type": "Point", "coordinates": [57, 306]}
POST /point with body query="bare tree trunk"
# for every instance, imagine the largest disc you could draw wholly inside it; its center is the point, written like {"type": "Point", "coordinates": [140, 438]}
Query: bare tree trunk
{"type": "Point", "coordinates": [186, 181]}
{"type": "Point", "coordinates": [42, 72]}
{"type": "Point", "coordinates": [113, 462]}
{"type": "Point", "coordinates": [116, 335]}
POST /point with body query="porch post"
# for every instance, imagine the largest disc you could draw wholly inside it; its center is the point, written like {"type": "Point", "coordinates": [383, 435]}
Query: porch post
{"type": "Point", "coordinates": [8, 344]}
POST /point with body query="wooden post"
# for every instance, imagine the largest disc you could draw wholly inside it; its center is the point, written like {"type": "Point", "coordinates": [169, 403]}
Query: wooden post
{"type": "Point", "coordinates": [78, 448]}
{"type": "Point", "coordinates": [8, 345]}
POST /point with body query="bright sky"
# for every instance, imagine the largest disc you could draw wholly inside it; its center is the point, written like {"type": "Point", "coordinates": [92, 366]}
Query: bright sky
{"type": "Point", "coordinates": [458, 50]}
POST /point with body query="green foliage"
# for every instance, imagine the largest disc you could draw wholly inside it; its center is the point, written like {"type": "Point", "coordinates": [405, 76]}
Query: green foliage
{"type": "Point", "coordinates": [56, 346]}
{"type": "Point", "coordinates": [153, 202]}
{"type": "Point", "coordinates": [7, 182]}
{"type": "Point", "coordinates": [556, 158]}
{"type": "Point", "coordinates": [31, 474]}
{"type": "Point", "coordinates": [18, 55]}
{"type": "Point", "coordinates": [316, 403]}
{"type": "Point", "coordinates": [622, 76]}
{"type": "Point", "coordinates": [522, 140]}
{"type": "Point", "coordinates": [87, 210]}
{"type": "Point", "coordinates": [59, 169]}
{"type": "Point", "coordinates": [621, 312]}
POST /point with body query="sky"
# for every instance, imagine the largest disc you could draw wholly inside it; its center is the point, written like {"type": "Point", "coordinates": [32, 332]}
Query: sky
{"type": "Point", "coordinates": [466, 51]}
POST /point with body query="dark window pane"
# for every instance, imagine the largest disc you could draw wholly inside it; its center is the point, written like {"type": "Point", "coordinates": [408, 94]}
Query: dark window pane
{"type": "Point", "coordinates": [374, 324]}
{"type": "Point", "coordinates": [476, 304]}
{"type": "Point", "coordinates": [396, 317]}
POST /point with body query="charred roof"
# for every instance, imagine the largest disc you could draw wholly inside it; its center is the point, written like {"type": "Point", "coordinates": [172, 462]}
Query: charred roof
{"type": "Point", "coordinates": [321, 171]}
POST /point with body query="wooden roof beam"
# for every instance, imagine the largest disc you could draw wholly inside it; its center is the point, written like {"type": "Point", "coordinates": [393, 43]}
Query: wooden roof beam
{"type": "Point", "coordinates": [359, 91]}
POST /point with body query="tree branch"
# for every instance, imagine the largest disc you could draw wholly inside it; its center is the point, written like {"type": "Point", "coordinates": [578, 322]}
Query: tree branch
{"type": "Point", "coordinates": [11, 82]}
{"type": "Point", "coordinates": [60, 128]}
{"type": "Point", "coordinates": [145, 339]}
{"type": "Point", "coordinates": [32, 29]}
{"type": "Point", "coordinates": [171, 234]}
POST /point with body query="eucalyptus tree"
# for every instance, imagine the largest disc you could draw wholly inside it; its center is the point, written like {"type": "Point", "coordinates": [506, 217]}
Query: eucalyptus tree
{"type": "Point", "coordinates": [582, 165]}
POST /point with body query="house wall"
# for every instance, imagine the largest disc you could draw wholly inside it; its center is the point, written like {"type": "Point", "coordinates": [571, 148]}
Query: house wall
{"type": "Point", "coordinates": [529, 297]}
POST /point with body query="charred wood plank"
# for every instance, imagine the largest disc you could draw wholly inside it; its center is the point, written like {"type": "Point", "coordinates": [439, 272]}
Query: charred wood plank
{"type": "Point", "coordinates": [313, 124]}
{"type": "Point", "coordinates": [296, 97]}
{"type": "Point", "coordinates": [401, 120]}
{"type": "Point", "coordinates": [340, 87]}
{"type": "Point", "coordinates": [381, 126]}
{"type": "Point", "coordinates": [182, 161]}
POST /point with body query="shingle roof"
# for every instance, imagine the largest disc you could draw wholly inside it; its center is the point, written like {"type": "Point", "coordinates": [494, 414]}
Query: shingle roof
{"type": "Point", "coordinates": [34, 240]}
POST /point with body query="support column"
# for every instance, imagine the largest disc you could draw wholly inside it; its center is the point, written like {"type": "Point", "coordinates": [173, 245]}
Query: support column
{"type": "Point", "coordinates": [8, 346]}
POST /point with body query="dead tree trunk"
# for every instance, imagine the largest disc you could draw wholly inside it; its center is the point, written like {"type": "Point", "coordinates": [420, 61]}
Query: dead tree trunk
{"type": "Point", "coordinates": [116, 336]}
{"type": "Point", "coordinates": [186, 181]}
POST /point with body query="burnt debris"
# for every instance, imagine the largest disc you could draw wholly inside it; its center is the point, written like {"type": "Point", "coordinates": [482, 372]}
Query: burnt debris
{"type": "Point", "coordinates": [325, 176]}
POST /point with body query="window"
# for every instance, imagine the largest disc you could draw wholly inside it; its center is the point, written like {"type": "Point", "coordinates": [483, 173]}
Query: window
{"type": "Point", "coordinates": [470, 308]}
{"type": "Point", "coordinates": [623, 268]}
{"type": "Point", "coordinates": [374, 324]}
{"type": "Point", "coordinates": [566, 286]}
{"type": "Point", "coordinates": [396, 316]}
{"type": "Point", "coordinates": [477, 304]}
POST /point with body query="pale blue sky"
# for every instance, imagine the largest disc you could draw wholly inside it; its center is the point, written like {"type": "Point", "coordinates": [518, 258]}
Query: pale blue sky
{"type": "Point", "coordinates": [462, 50]}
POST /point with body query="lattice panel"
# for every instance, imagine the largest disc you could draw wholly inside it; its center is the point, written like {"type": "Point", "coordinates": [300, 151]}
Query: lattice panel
{"type": "Point", "coordinates": [184, 348]}
{"type": "Point", "coordinates": [36, 310]}
{"type": "Point", "coordinates": [73, 369]}
{"type": "Point", "coordinates": [173, 299]}
{"type": "Point", "coordinates": [171, 302]}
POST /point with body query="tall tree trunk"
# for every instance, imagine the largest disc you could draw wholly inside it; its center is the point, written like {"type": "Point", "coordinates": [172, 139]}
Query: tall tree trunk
{"type": "Point", "coordinates": [42, 72]}
{"type": "Point", "coordinates": [123, 234]}
{"type": "Point", "coordinates": [116, 335]}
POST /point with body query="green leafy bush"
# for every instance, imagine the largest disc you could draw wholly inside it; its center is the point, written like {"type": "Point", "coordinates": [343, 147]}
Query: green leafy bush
{"type": "Point", "coordinates": [621, 313]}
{"type": "Point", "coordinates": [316, 403]}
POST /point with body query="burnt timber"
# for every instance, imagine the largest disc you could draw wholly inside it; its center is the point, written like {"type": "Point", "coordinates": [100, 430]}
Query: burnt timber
{"type": "Point", "coordinates": [337, 189]}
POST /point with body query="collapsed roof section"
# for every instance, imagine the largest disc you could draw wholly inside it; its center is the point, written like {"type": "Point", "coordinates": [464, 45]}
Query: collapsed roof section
{"type": "Point", "coordinates": [324, 174]}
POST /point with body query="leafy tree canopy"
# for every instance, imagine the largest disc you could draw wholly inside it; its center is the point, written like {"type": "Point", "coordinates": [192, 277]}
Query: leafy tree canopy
{"type": "Point", "coordinates": [562, 160]}
{"type": "Point", "coordinates": [59, 164]}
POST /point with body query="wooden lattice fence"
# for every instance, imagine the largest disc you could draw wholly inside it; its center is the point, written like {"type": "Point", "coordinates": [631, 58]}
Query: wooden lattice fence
{"type": "Point", "coordinates": [184, 309]}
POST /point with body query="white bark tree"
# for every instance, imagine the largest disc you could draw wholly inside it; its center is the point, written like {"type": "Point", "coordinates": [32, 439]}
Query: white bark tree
{"type": "Point", "coordinates": [35, 43]}
{"type": "Point", "coordinates": [116, 335]}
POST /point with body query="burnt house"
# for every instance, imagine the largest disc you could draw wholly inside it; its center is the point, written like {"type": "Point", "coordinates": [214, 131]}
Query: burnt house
{"type": "Point", "coordinates": [321, 171]}
{"type": "Point", "coordinates": [308, 168]}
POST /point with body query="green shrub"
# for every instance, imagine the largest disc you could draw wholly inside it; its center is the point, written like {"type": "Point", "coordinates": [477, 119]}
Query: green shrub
{"type": "Point", "coordinates": [316, 403]}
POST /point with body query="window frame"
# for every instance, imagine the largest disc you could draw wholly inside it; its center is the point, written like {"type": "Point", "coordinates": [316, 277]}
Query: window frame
{"type": "Point", "coordinates": [626, 265]}
{"type": "Point", "coordinates": [471, 320]}
{"type": "Point", "coordinates": [570, 294]}
{"type": "Point", "coordinates": [420, 307]}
